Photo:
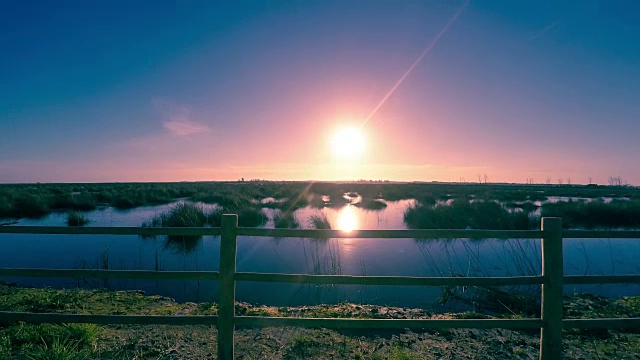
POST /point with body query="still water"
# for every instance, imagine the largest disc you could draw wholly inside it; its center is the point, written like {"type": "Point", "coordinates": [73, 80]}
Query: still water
{"type": "Point", "coordinates": [410, 257]}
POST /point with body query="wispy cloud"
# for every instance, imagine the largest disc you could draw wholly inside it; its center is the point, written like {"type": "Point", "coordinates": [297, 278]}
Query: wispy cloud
{"type": "Point", "coordinates": [178, 119]}
{"type": "Point", "coordinates": [543, 31]}
{"type": "Point", "coordinates": [184, 126]}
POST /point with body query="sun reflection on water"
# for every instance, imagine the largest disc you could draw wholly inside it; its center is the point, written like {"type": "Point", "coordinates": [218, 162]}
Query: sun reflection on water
{"type": "Point", "coordinates": [347, 219]}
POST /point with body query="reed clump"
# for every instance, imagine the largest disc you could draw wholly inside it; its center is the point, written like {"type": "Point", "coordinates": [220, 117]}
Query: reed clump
{"type": "Point", "coordinates": [595, 213]}
{"type": "Point", "coordinates": [462, 214]}
{"type": "Point", "coordinates": [319, 221]}
{"type": "Point", "coordinates": [371, 204]}
{"type": "Point", "coordinates": [75, 218]}
{"type": "Point", "coordinates": [285, 220]}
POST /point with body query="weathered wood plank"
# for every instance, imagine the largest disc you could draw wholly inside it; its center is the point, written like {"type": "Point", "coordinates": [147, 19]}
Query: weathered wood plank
{"type": "Point", "coordinates": [110, 274]}
{"type": "Point", "coordinates": [226, 310]}
{"type": "Point", "coordinates": [600, 234]}
{"type": "Point", "coordinates": [552, 290]}
{"type": "Point", "coordinates": [391, 234]}
{"type": "Point", "coordinates": [255, 321]}
{"type": "Point", "coordinates": [107, 319]}
{"type": "Point", "coordinates": [602, 279]}
{"type": "Point", "coordinates": [389, 280]}
{"type": "Point", "coordinates": [633, 323]}
{"type": "Point", "coordinates": [89, 230]}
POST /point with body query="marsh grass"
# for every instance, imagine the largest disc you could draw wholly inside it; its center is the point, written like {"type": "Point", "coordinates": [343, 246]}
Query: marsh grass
{"type": "Point", "coordinates": [251, 217]}
{"type": "Point", "coordinates": [319, 221]}
{"type": "Point", "coordinates": [30, 206]}
{"type": "Point", "coordinates": [462, 214]}
{"type": "Point", "coordinates": [184, 214]}
{"type": "Point", "coordinates": [75, 218]}
{"type": "Point", "coordinates": [188, 214]}
{"type": "Point", "coordinates": [35, 200]}
{"type": "Point", "coordinates": [595, 214]}
{"type": "Point", "coordinates": [370, 204]}
{"type": "Point", "coordinates": [285, 220]}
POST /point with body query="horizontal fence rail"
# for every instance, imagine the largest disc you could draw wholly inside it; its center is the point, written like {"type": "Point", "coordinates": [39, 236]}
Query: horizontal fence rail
{"type": "Point", "coordinates": [552, 280]}
{"type": "Point", "coordinates": [390, 280]}
{"type": "Point", "coordinates": [130, 230]}
{"type": "Point", "coordinates": [600, 234]}
{"type": "Point", "coordinates": [109, 319]}
{"type": "Point", "coordinates": [259, 321]}
{"type": "Point", "coordinates": [110, 274]}
{"type": "Point", "coordinates": [393, 234]}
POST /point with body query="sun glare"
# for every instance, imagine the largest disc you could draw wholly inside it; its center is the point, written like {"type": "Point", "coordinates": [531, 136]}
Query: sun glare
{"type": "Point", "coordinates": [348, 143]}
{"type": "Point", "coordinates": [347, 219]}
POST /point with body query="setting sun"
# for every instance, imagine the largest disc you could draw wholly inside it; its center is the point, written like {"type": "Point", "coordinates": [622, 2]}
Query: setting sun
{"type": "Point", "coordinates": [348, 143]}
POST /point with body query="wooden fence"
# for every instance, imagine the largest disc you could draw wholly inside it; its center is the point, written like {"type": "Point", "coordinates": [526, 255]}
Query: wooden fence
{"type": "Point", "coordinates": [552, 280]}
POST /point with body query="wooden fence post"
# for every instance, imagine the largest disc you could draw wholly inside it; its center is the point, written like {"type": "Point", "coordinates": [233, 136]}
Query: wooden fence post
{"type": "Point", "coordinates": [552, 289]}
{"type": "Point", "coordinates": [226, 309]}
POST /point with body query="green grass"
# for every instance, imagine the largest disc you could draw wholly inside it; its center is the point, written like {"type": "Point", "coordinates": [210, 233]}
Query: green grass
{"type": "Point", "coordinates": [397, 353]}
{"type": "Point", "coordinates": [5, 347]}
{"type": "Point", "coordinates": [75, 218]}
{"type": "Point", "coordinates": [50, 341]}
{"type": "Point", "coordinates": [78, 341]}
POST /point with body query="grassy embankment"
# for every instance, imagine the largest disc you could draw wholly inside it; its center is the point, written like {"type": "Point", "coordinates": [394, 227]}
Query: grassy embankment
{"type": "Point", "coordinates": [77, 341]}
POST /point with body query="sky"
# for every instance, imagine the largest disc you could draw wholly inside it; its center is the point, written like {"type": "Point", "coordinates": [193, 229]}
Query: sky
{"type": "Point", "coordinates": [507, 91]}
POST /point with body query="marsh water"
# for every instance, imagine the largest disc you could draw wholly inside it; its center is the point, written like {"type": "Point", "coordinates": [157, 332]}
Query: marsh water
{"type": "Point", "coordinates": [404, 257]}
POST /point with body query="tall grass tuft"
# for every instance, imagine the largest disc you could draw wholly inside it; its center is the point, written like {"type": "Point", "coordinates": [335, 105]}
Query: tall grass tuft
{"type": "Point", "coordinates": [595, 214]}
{"type": "Point", "coordinates": [53, 342]}
{"type": "Point", "coordinates": [5, 348]}
{"type": "Point", "coordinates": [185, 214]}
{"type": "Point", "coordinates": [285, 220]}
{"type": "Point", "coordinates": [75, 218]}
{"type": "Point", "coordinates": [251, 217]}
{"type": "Point", "coordinates": [462, 214]}
{"type": "Point", "coordinates": [371, 204]}
{"type": "Point", "coordinates": [319, 221]}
